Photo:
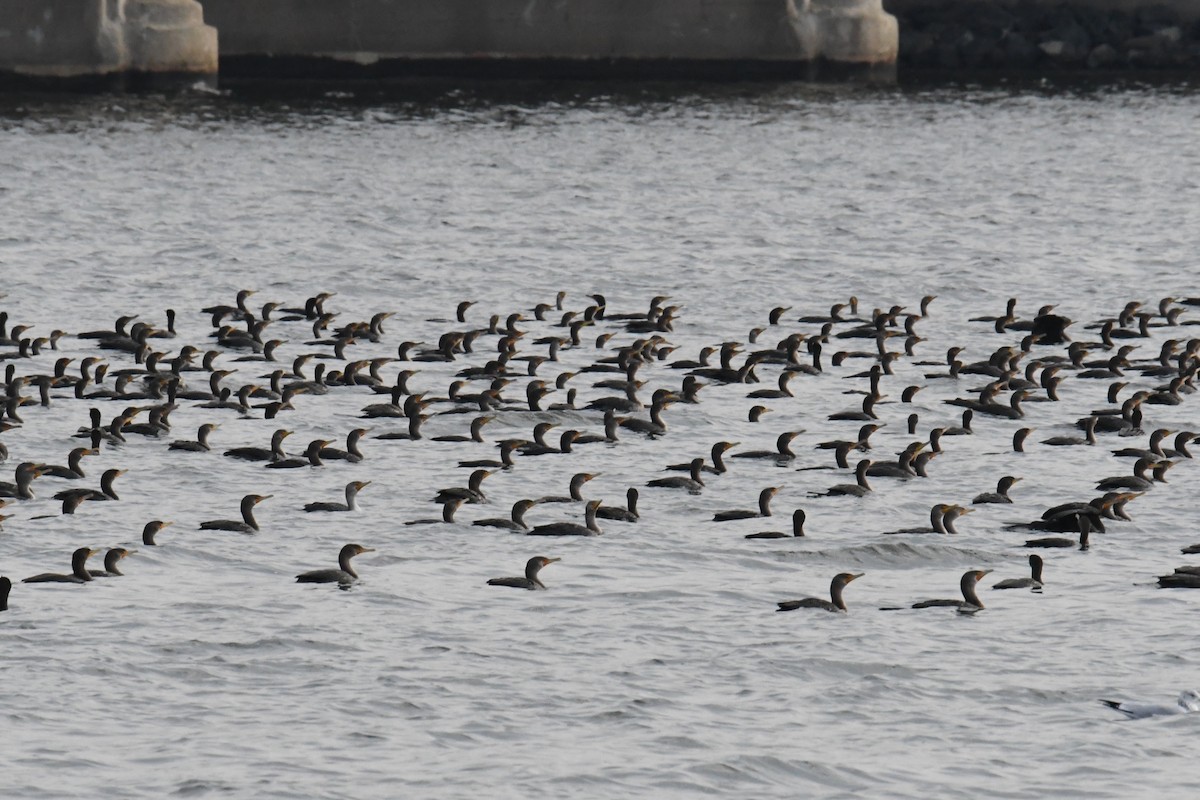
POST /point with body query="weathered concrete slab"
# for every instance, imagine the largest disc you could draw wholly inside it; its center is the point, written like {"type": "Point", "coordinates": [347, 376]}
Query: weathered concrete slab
{"type": "Point", "coordinates": [380, 37]}
{"type": "Point", "coordinates": [80, 39]}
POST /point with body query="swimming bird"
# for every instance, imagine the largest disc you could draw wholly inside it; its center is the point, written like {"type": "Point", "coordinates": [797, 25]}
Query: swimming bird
{"type": "Point", "coordinates": [201, 444]}
{"type": "Point", "coordinates": [507, 447]}
{"type": "Point", "coordinates": [105, 492]}
{"type": "Point", "coordinates": [1189, 701]}
{"type": "Point", "coordinates": [343, 575]}
{"type": "Point", "coordinates": [73, 469]}
{"type": "Point", "coordinates": [1085, 528]}
{"type": "Point", "coordinates": [5, 588]}
{"type": "Point", "coordinates": [627, 514]}
{"type": "Point", "coordinates": [352, 490]}
{"type": "Point", "coordinates": [471, 493]}
{"type": "Point", "coordinates": [859, 489]}
{"type": "Point", "coordinates": [151, 529]}
{"type": "Point", "coordinates": [764, 507]}
{"type": "Point", "coordinates": [111, 559]}
{"type": "Point", "coordinates": [575, 490]}
{"type": "Point", "coordinates": [1181, 578]}
{"type": "Point", "coordinates": [1072, 441]}
{"type": "Point", "coordinates": [351, 453]}
{"type": "Point", "coordinates": [589, 528]}
{"type": "Point", "coordinates": [970, 601]}
{"type": "Point", "coordinates": [312, 457]}
{"type": "Point", "coordinates": [25, 474]}
{"type": "Point", "coordinates": [79, 572]}
{"type": "Point", "coordinates": [835, 591]}
{"type": "Point", "coordinates": [782, 452]}
{"type": "Point", "coordinates": [1138, 480]}
{"type": "Point", "coordinates": [448, 510]}
{"type": "Point", "coordinates": [1034, 582]}
{"type": "Point", "coordinates": [247, 525]}
{"type": "Point", "coordinates": [273, 453]}
{"type": "Point", "coordinates": [798, 518]}
{"type": "Point", "coordinates": [1001, 493]}
{"type": "Point", "coordinates": [693, 483]}
{"type": "Point", "coordinates": [517, 523]}
{"type": "Point", "coordinates": [530, 581]}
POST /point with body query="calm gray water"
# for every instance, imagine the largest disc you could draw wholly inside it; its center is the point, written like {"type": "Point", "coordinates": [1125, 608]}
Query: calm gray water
{"type": "Point", "coordinates": [654, 665]}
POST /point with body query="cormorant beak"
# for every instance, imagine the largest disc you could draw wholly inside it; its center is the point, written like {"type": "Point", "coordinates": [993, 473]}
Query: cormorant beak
{"type": "Point", "coordinates": [552, 560]}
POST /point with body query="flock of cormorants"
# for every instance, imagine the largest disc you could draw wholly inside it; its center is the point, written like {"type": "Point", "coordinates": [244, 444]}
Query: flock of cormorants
{"type": "Point", "coordinates": [143, 368]}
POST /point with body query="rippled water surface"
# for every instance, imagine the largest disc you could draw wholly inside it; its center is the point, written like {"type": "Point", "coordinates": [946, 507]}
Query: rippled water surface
{"type": "Point", "coordinates": [654, 664]}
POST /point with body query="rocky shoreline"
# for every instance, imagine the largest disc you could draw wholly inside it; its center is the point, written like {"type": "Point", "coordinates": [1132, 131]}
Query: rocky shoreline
{"type": "Point", "coordinates": [1028, 35]}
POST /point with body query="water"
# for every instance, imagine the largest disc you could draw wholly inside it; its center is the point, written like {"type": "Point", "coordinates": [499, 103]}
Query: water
{"type": "Point", "coordinates": [654, 665]}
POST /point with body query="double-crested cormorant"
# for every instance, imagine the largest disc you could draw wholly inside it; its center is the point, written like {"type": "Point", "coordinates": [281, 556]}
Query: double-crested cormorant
{"type": "Point", "coordinates": [531, 581]}
{"type": "Point", "coordinates": [106, 491]}
{"type": "Point", "coordinates": [449, 508]}
{"type": "Point", "coordinates": [1001, 493]}
{"type": "Point", "coordinates": [151, 529]}
{"type": "Point", "coordinates": [24, 476]}
{"type": "Point", "coordinates": [1085, 528]}
{"type": "Point", "coordinates": [970, 601]}
{"type": "Point", "coordinates": [471, 493]}
{"type": "Point", "coordinates": [900, 468]}
{"type": "Point", "coordinates": [835, 591]}
{"type": "Point", "coordinates": [859, 489]}
{"type": "Point", "coordinates": [718, 460]}
{"type": "Point", "coordinates": [476, 434]}
{"type": "Point", "coordinates": [1189, 701]}
{"type": "Point", "coordinates": [693, 483]}
{"type": "Point", "coordinates": [111, 559]}
{"type": "Point", "coordinates": [764, 507]}
{"type": "Point", "coordinates": [517, 523]}
{"type": "Point", "coordinates": [248, 523]}
{"type": "Point", "coordinates": [5, 588]}
{"type": "Point", "coordinates": [343, 575]}
{"type": "Point", "coordinates": [1138, 481]}
{"type": "Point", "coordinates": [351, 453]}
{"type": "Point", "coordinates": [798, 517]}
{"type": "Point", "coordinates": [312, 457]}
{"type": "Point", "coordinates": [507, 447]}
{"type": "Point", "coordinates": [782, 452]}
{"type": "Point", "coordinates": [352, 490]}
{"type": "Point", "coordinates": [627, 514]}
{"type": "Point", "coordinates": [1181, 578]}
{"type": "Point", "coordinates": [575, 490]}
{"type": "Point", "coordinates": [1034, 582]}
{"type": "Point", "coordinates": [73, 469]}
{"type": "Point", "coordinates": [79, 570]}
{"type": "Point", "coordinates": [201, 444]}
{"type": "Point", "coordinates": [273, 453]}
{"type": "Point", "coordinates": [589, 528]}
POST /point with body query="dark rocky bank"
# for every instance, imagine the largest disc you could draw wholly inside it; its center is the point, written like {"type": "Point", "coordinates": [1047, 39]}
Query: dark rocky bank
{"type": "Point", "coordinates": [958, 34]}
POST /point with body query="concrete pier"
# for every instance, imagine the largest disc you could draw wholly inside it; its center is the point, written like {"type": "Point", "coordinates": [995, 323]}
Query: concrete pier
{"type": "Point", "coordinates": [90, 40]}
{"type": "Point", "coordinates": [551, 38]}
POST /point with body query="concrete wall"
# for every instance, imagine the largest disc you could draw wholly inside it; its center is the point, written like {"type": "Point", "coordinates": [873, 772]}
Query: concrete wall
{"type": "Point", "coordinates": [366, 32]}
{"type": "Point", "coordinates": [60, 39]}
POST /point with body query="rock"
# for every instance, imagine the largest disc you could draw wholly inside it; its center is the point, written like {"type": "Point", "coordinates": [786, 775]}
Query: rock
{"type": "Point", "coordinates": [1019, 52]}
{"type": "Point", "coordinates": [1104, 55]}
